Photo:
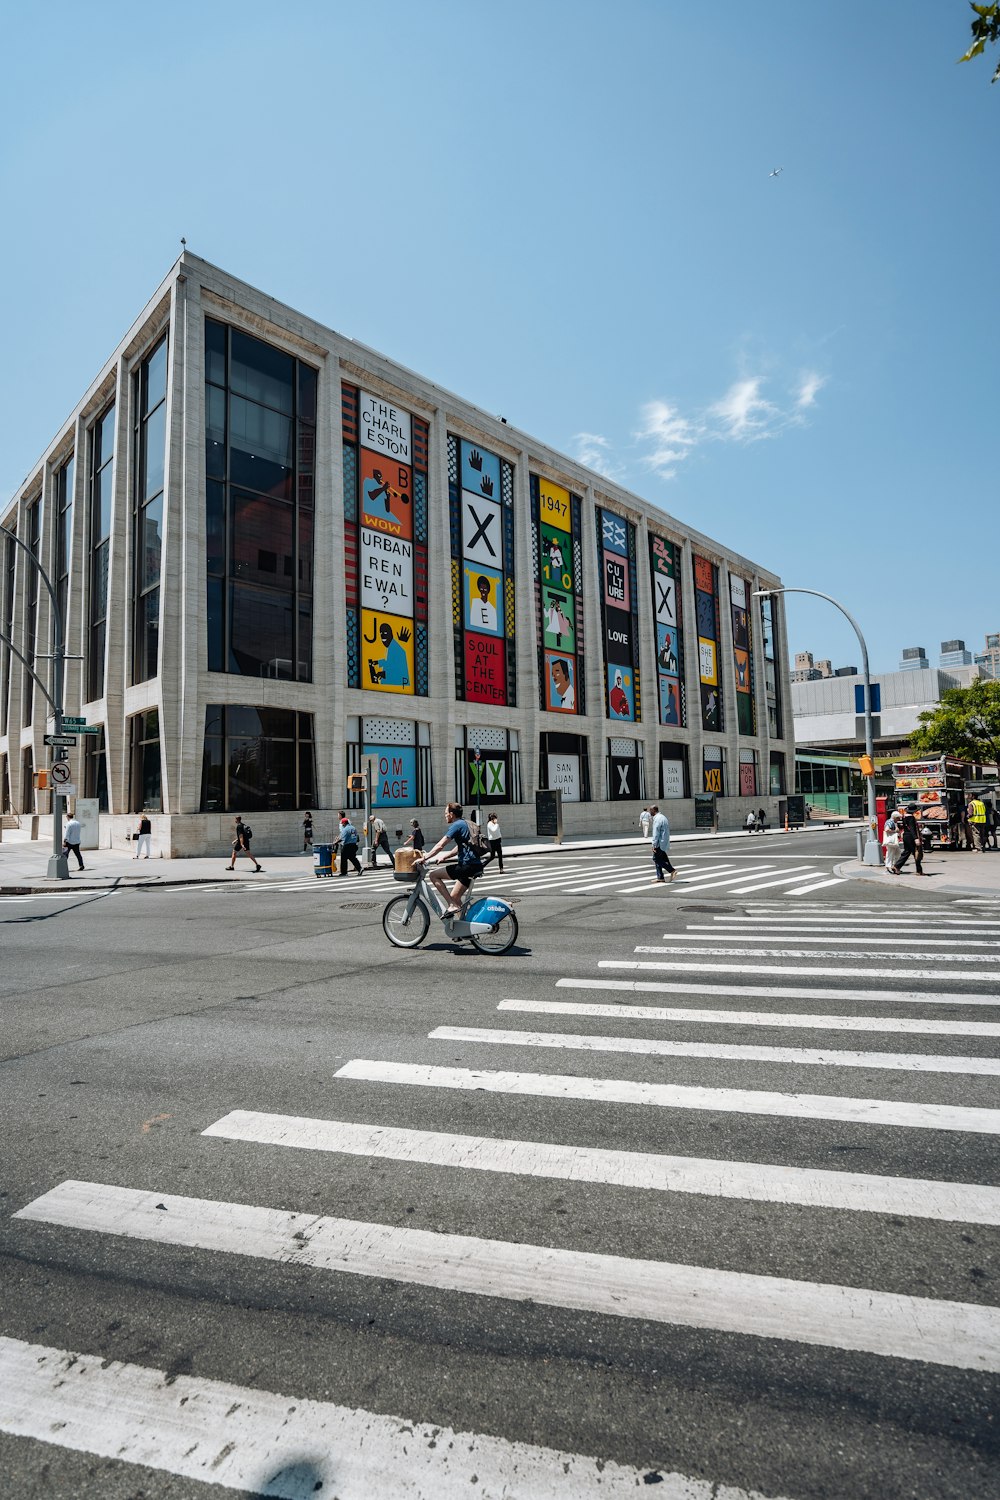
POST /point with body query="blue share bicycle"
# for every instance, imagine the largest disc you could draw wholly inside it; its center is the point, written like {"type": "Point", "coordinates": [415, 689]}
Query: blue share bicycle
{"type": "Point", "coordinates": [488, 922]}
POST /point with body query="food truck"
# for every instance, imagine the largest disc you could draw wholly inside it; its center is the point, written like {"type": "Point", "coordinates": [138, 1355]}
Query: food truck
{"type": "Point", "coordinates": [934, 790]}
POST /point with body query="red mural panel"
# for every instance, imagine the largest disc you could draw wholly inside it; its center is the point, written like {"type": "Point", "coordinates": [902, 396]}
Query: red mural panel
{"type": "Point", "coordinates": [485, 668]}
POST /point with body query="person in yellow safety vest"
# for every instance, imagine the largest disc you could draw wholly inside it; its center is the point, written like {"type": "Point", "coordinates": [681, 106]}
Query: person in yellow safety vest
{"type": "Point", "coordinates": [976, 814]}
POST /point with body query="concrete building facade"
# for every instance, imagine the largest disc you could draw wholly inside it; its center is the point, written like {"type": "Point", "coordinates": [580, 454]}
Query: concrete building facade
{"type": "Point", "coordinates": [282, 558]}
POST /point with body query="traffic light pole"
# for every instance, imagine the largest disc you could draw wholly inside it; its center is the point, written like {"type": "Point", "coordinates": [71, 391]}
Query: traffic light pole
{"type": "Point", "coordinates": [872, 854]}
{"type": "Point", "coordinates": [58, 868]}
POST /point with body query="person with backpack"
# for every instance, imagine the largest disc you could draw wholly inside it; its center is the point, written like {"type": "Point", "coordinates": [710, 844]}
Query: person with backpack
{"type": "Point", "coordinates": [461, 863]}
{"type": "Point", "coordinates": [242, 834]}
{"type": "Point", "coordinates": [348, 842]}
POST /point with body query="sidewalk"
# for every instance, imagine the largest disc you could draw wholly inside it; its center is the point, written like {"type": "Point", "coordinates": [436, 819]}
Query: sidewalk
{"type": "Point", "coordinates": [24, 863]}
{"type": "Point", "coordinates": [957, 874]}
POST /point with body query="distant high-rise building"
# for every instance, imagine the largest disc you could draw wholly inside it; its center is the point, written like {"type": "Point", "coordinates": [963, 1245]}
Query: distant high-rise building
{"type": "Point", "coordinates": [913, 659]}
{"type": "Point", "coordinates": [804, 670]}
{"type": "Point", "coordinates": [989, 660]}
{"type": "Point", "coordinates": [824, 668]}
{"type": "Point", "coordinates": [846, 672]}
{"type": "Point", "coordinates": [954, 654]}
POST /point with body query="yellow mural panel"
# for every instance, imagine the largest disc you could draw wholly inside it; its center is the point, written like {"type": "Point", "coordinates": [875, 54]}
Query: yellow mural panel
{"type": "Point", "coordinates": [386, 652]}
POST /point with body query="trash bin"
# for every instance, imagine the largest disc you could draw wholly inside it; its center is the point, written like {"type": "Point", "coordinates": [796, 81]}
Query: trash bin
{"type": "Point", "coordinates": [323, 860]}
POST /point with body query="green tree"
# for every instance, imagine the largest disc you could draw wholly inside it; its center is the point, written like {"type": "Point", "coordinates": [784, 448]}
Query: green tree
{"type": "Point", "coordinates": [985, 28]}
{"type": "Point", "coordinates": [966, 723]}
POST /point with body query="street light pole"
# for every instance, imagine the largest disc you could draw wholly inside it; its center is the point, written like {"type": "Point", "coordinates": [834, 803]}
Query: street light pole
{"type": "Point", "coordinates": [873, 855]}
{"type": "Point", "coordinates": [58, 868]}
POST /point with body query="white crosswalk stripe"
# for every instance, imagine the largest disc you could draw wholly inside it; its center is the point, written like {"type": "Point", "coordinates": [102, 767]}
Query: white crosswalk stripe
{"type": "Point", "coordinates": [841, 1317]}
{"type": "Point", "coordinates": [231, 1435]}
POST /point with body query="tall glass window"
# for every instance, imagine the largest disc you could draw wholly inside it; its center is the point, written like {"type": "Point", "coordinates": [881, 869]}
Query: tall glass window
{"type": "Point", "coordinates": [9, 579]}
{"type": "Point", "coordinates": [63, 538]}
{"type": "Point", "coordinates": [260, 438]}
{"type": "Point", "coordinates": [149, 441]}
{"type": "Point", "coordinates": [145, 791]}
{"type": "Point", "coordinates": [771, 659]}
{"type": "Point", "coordinates": [257, 759]}
{"type": "Point", "coordinates": [95, 769]}
{"type": "Point", "coordinates": [33, 521]}
{"type": "Point", "coordinates": [102, 478]}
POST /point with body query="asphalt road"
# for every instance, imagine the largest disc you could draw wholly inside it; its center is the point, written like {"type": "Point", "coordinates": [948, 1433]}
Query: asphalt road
{"type": "Point", "coordinates": [827, 1346]}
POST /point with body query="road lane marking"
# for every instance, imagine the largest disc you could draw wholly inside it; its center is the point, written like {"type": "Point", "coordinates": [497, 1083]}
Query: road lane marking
{"type": "Point", "coordinates": [245, 1439]}
{"type": "Point", "coordinates": [818, 885]}
{"type": "Point", "coordinates": [771, 992]}
{"type": "Point", "coordinates": [902, 1024]}
{"type": "Point", "coordinates": [767, 885]}
{"type": "Point", "coordinates": [919, 1198]}
{"type": "Point", "coordinates": [702, 932]}
{"type": "Point", "coordinates": [957, 1334]}
{"type": "Point", "coordinates": [785, 952]}
{"type": "Point", "coordinates": [681, 1096]}
{"type": "Point", "coordinates": [803, 970]}
{"type": "Point", "coordinates": [834, 1057]}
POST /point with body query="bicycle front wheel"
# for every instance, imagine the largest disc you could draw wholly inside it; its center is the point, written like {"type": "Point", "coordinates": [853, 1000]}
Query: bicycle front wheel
{"type": "Point", "coordinates": [502, 937]}
{"type": "Point", "coordinates": [403, 931]}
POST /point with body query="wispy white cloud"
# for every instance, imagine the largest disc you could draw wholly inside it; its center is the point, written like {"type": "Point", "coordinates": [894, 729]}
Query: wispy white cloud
{"type": "Point", "coordinates": [592, 449]}
{"type": "Point", "coordinates": [671, 437]}
{"type": "Point", "coordinates": [744, 415]}
{"type": "Point", "coordinates": [666, 437]}
{"type": "Point", "coordinates": [809, 386]}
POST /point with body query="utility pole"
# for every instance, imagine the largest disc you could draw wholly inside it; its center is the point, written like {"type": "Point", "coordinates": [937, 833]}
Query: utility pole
{"type": "Point", "coordinates": [872, 854]}
{"type": "Point", "coordinates": [58, 867]}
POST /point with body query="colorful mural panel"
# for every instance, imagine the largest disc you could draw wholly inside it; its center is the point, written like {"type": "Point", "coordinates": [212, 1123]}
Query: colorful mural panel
{"type": "Point", "coordinates": [485, 668]}
{"type": "Point", "coordinates": [746, 707]}
{"type": "Point", "coordinates": [616, 559]}
{"type": "Point", "coordinates": [386, 651]}
{"type": "Point", "coordinates": [481, 486]}
{"type": "Point", "coordinates": [385, 544]}
{"type": "Point", "coordinates": [706, 604]}
{"type": "Point", "coordinates": [395, 775]}
{"type": "Point", "coordinates": [664, 572]}
{"type": "Point", "coordinates": [555, 517]}
{"type": "Point", "coordinates": [560, 683]}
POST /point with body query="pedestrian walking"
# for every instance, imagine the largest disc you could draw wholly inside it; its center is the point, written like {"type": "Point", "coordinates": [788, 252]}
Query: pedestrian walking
{"type": "Point", "coordinates": [144, 837]}
{"type": "Point", "coordinates": [380, 840]}
{"type": "Point", "coordinates": [415, 837]}
{"type": "Point", "coordinates": [991, 825]}
{"type": "Point", "coordinates": [242, 834]}
{"type": "Point", "coordinates": [645, 822]}
{"type": "Point", "coordinates": [71, 840]}
{"type": "Point", "coordinates": [891, 841]}
{"type": "Point", "coordinates": [761, 823]}
{"type": "Point", "coordinates": [307, 832]}
{"type": "Point", "coordinates": [661, 846]}
{"type": "Point", "coordinates": [912, 841]}
{"type": "Point", "coordinates": [349, 846]}
{"type": "Point", "coordinates": [495, 839]}
{"type": "Point", "coordinates": [751, 821]}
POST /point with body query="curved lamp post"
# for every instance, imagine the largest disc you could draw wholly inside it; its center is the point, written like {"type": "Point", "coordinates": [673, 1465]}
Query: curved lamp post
{"type": "Point", "coordinates": [873, 854]}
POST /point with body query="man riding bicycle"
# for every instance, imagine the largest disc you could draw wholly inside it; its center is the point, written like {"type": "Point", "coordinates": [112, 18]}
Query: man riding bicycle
{"type": "Point", "coordinates": [461, 869]}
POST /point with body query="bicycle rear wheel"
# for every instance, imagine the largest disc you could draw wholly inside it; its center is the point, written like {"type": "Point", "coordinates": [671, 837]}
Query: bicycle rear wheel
{"type": "Point", "coordinates": [404, 932]}
{"type": "Point", "coordinates": [502, 937]}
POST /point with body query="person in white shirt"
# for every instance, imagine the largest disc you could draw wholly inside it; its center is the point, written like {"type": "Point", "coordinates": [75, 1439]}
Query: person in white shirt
{"type": "Point", "coordinates": [645, 822]}
{"type": "Point", "coordinates": [71, 840]}
{"type": "Point", "coordinates": [495, 840]}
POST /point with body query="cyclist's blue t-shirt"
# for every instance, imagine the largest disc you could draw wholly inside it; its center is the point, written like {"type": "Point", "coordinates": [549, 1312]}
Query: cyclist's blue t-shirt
{"type": "Point", "coordinates": [458, 831]}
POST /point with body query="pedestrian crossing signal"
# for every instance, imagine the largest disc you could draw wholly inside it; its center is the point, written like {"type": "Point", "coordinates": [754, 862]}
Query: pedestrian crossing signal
{"type": "Point", "coordinates": [356, 783]}
{"type": "Point", "coordinates": [867, 765]}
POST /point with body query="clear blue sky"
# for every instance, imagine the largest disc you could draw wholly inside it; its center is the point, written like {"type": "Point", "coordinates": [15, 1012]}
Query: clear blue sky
{"type": "Point", "coordinates": [562, 210]}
